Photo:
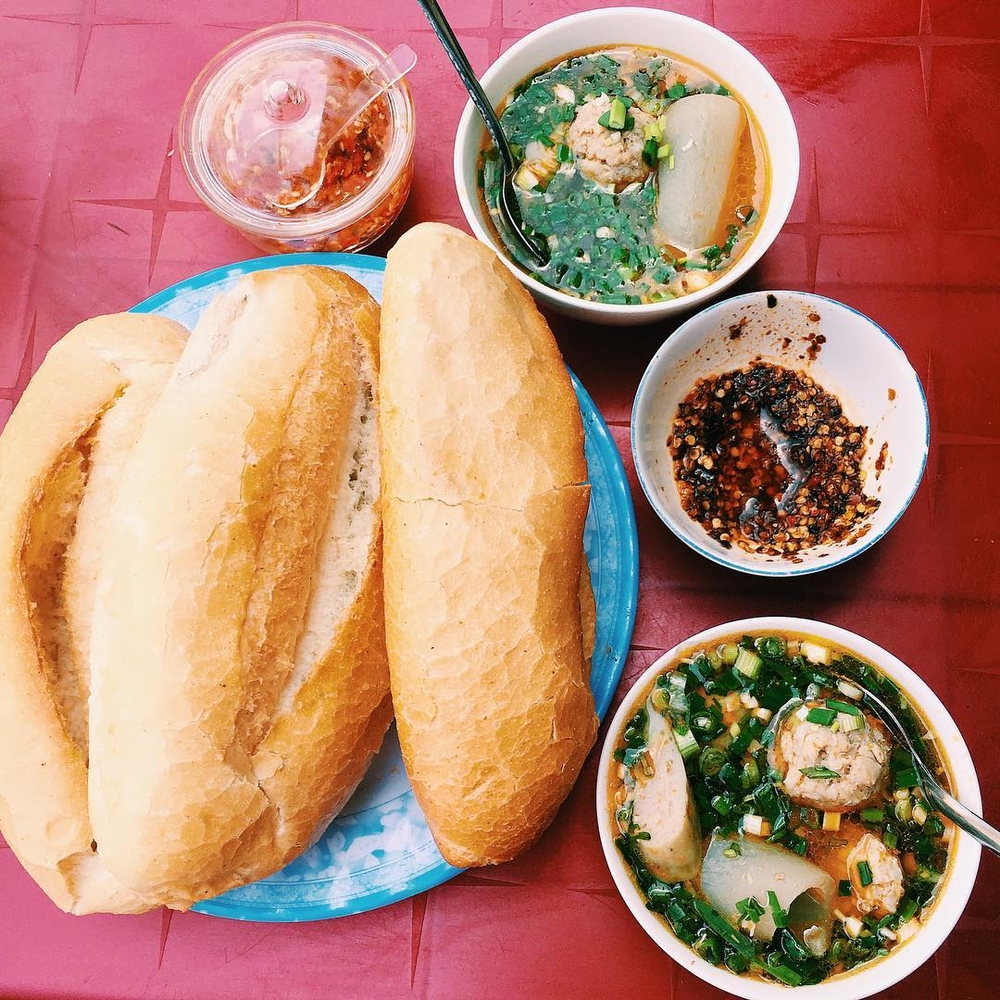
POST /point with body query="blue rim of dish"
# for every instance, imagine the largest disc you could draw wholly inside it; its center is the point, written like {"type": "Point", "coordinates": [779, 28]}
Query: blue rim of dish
{"type": "Point", "coordinates": [780, 570]}
{"type": "Point", "coordinates": [611, 542]}
{"type": "Point", "coordinates": [155, 303]}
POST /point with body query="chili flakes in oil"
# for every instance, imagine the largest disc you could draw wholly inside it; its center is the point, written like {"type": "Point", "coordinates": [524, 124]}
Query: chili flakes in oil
{"type": "Point", "coordinates": [766, 460]}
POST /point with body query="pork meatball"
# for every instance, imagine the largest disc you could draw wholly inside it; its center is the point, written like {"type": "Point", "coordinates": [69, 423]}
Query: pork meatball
{"type": "Point", "coordinates": [860, 759]}
{"type": "Point", "coordinates": [883, 893]}
{"type": "Point", "coordinates": [610, 157]}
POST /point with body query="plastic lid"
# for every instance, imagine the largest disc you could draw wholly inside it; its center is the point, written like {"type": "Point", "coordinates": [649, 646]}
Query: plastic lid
{"type": "Point", "coordinates": [264, 112]}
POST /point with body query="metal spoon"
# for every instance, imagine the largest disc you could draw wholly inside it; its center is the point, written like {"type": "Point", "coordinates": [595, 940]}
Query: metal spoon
{"type": "Point", "coordinates": [961, 815]}
{"type": "Point", "coordinates": [509, 210]}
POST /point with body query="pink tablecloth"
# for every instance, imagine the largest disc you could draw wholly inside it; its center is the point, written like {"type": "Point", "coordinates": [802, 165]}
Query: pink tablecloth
{"type": "Point", "coordinates": [898, 112]}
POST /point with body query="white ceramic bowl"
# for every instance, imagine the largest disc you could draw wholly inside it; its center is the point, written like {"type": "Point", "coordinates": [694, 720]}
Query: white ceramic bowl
{"type": "Point", "coordinates": [859, 363]}
{"type": "Point", "coordinates": [958, 879]}
{"type": "Point", "coordinates": [687, 38]}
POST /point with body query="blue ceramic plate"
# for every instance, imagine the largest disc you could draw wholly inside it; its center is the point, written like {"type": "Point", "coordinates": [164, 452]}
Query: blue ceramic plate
{"type": "Point", "coordinates": [379, 850]}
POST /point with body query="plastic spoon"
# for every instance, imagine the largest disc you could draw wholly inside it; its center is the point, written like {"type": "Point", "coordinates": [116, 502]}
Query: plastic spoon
{"type": "Point", "coordinates": [509, 210]}
{"type": "Point", "coordinates": [285, 103]}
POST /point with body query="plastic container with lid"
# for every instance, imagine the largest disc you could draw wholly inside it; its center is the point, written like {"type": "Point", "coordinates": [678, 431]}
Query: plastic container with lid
{"type": "Point", "coordinates": [262, 144]}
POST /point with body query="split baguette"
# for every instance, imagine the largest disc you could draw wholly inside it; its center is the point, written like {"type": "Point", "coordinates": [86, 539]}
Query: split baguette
{"type": "Point", "coordinates": [61, 455]}
{"type": "Point", "coordinates": [239, 674]}
{"type": "Point", "coordinates": [489, 613]}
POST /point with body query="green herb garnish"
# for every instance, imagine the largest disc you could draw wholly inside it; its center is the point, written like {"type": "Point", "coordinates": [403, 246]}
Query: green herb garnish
{"type": "Point", "coordinates": [824, 773]}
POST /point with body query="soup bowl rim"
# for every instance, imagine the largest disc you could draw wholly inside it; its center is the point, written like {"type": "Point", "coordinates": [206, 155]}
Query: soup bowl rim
{"type": "Point", "coordinates": [964, 858]}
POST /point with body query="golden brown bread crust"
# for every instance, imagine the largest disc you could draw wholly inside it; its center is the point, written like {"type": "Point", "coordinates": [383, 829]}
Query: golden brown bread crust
{"type": "Point", "coordinates": [60, 456]}
{"type": "Point", "coordinates": [485, 507]}
{"type": "Point", "coordinates": [238, 661]}
{"type": "Point", "coordinates": [474, 361]}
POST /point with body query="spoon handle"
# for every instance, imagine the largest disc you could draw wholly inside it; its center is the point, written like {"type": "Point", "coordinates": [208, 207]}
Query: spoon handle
{"type": "Point", "coordinates": [963, 817]}
{"type": "Point", "coordinates": [464, 69]}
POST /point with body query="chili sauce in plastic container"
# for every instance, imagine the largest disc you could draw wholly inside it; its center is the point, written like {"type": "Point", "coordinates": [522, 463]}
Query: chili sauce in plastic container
{"type": "Point", "coordinates": [301, 136]}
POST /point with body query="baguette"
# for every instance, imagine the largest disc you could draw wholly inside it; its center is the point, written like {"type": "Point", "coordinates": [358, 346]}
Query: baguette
{"type": "Point", "coordinates": [61, 455]}
{"type": "Point", "coordinates": [239, 676]}
{"type": "Point", "coordinates": [489, 612]}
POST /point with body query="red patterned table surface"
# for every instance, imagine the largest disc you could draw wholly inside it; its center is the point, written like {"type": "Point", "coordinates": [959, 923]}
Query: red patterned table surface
{"type": "Point", "coordinates": [898, 112]}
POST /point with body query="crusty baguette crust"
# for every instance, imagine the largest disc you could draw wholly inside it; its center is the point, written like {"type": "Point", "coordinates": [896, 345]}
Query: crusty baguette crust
{"type": "Point", "coordinates": [486, 498]}
{"type": "Point", "coordinates": [60, 455]}
{"type": "Point", "coordinates": [238, 658]}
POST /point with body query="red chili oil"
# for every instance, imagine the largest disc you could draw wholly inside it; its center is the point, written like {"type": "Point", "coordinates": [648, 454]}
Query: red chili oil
{"type": "Point", "coordinates": [766, 460]}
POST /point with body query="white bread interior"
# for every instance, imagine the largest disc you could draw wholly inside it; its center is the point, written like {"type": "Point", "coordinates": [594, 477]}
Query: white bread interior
{"type": "Point", "coordinates": [489, 617]}
{"type": "Point", "coordinates": [239, 677]}
{"type": "Point", "coordinates": [61, 455]}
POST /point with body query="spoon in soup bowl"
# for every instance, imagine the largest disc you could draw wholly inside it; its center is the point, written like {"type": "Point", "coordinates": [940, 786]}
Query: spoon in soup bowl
{"type": "Point", "coordinates": [508, 213]}
{"type": "Point", "coordinates": [959, 814]}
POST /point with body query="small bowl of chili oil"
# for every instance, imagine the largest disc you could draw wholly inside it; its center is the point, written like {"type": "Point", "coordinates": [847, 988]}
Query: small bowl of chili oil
{"type": "Point", "coordinates": [780, 433]}
{"type": "Point", "coordinates": [262, 146]}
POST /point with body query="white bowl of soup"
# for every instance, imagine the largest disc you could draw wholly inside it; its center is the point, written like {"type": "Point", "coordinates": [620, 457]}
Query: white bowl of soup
{"type": "Point", "coordinates": [656, 156]}
{"type": "Point", "coordinates": [766, 831]}
{"type": "Point", "coordinates": [780, 433]}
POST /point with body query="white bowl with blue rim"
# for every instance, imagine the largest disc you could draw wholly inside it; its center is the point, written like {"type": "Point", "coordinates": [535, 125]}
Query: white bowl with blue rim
{"type": "Point", "coordinates": [846, 353]}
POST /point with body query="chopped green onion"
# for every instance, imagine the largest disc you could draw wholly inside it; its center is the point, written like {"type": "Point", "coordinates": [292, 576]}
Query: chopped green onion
{"type": "Point", "coordinates": [676, 92]}
{"type": "Point", "coordinates": [670, 162]}
{"type": "Point", "coordinates": [850, 723]}
{"type": "Point", "coordinates": [730, 653]}
{"type": "Point", "coordinates": [920, 813]}
{"type": "Point", "coordinates": [890, 838]}
{"type": "Point", "coordinates": [822, 716]}
{"type": "Point", "coordinates": [771, 646]}
{"type": "Point", "coordinates": [872, 815]}
{"type": "Point", "coordinates": [751, 774]}
{"type": "Point", "coordinates": [780, 916]}
{"type": "Point", "coordinates": [908, 910]}
{"type": "Point", "coordinates": [636, 730]}
{"type": "Point", "coordinates": [842, 706]}
{"type": "Point", "coordinates": [904, 810]}
{"type": "Point", "coordinates": [844, 887]}
{"type": "Point", "coordinates": [686, 743]}
{"type": "Point", "coordinates": [662, 152]}
{"type": "Point", "coordinates": [731, 776]}
{"type": "Point", "coordinates": [660, 700]}
{"type": "Point", "coordinates": [733, 850]}
{"type": "Point", "coordinates": [818, 772]}
{"type": "Point", "coordinates": [783, 973]}
{"type": "Point", "coordinates": [933, 827]}
{"type": "Point", "coordinates": [749, 909]}
{"type": "Point", "coordinates": [748, 663]}
{"type": "Point", "coordinates": [677, 681]}
{"type": "Point", "coordinates": [718, 923]}
{"type": "Point", "coordinates": [907, 778]}
{"type": "Point", "coordinates": [563, 153]}
{"type": "Point", "coordinates": [864, 873]}
{"type": "Point", "coordinates": [795, 843]}
{"type": "Point", "coordinates": [711, 760]}
{"type": "Point", "coordinates": [616, 114]}
{"type": "Point", "coordinates": [709, 947]}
